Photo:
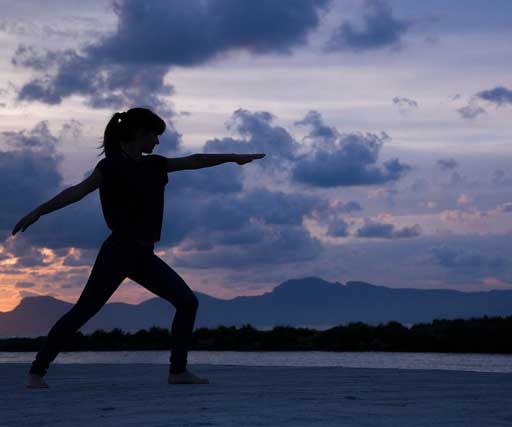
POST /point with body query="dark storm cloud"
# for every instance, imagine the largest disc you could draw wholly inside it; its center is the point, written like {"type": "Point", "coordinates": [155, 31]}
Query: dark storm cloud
{"type": "Point", "coordinates": [39, 139]}
{"type": "Point", "coordinates": [405, 105]}
{"type": "Point", "coordinates": [27, 255]}
{"type": "Point", "coordinates": [470, 111]}
{"type": "Point", "coordinates": [333, 159]}
{"type": "Point", "coordinates": [456, 179]}
{"type": "Point", "coordinates": [259, 135]}
{"type": "Point", "coordinates": [467, 259]}
{"type": "Point", "coordinates": [278, 208]}
{"type": "Point", "coordinates": [201, 202]}
{"type": "Point", "coordinates": [129, 65]}
{"type": "Point", "coordinates": [379, 29]}
{"type": "Point", "coordinates": [351, 162]}
{"type": "Point", "coordinates": [201, 216]}
{"type": "Point", "coordinates": [348, 207]}
{"type": "Point", "coordinates": [500, 95]}
{"type": "Point", "coordinates": [279, 245]}
{"type": "Point", "coordinates": [319, 131]}
{"type": "Point", "coordinates": [30, 176]}
{"type": "Point", "coordinates": [405, 102]}
{"type": "Point", "coordinates": [231, 230]}
{"type": "Point", "coordinates": [205, 238]}
{"type": "Point", "coordinates": [103, 85]}
{"type": "Point", "coordinates": [447, 164]}
{"type": "Point", "coordinates": [72, 129]}
{"type": "Point", "coordinates": [191, 32]}
{"type": "Point", "coordinates": [412, 261]}
{"type": "Point", "coordinates": [338, 228]}
{"type": "Point", "coordinates": [28, 57]}
{"type": "Point", "coordinates": [79, 225]}
{"type": "Point", "coordinates": [330, 215]}
{"type": "Point", "coordinates": [499, 177]}
{"type": "Point", "coordinates": [85, 259]}
{"type": "Point", "coordinates": [249, 234]}
{"type": "Point", "coordinates": [382, 230]}
{"type": "Point", "coordinates": [206, 210]}
{"type": "Point", "coordinates": [348, 159]}
{"type": "Point", "coordinates": [225, 178]}
{"type": "Point", "coordinates": [29, 173]}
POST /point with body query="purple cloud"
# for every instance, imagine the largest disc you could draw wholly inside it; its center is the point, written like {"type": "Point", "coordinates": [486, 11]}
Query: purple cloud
{"type": "Point", "coordinates": [128, 66]}
{"type": "Point", "coordinates": [381, 230]}
{"type": "Point", "coordinates": [380, 29]}
{"type": "Point", "coordinates": [499, 96]}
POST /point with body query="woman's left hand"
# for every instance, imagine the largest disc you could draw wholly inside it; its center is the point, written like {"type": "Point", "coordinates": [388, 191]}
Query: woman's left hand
{"type": "Point", "coordinates": [24, 222]}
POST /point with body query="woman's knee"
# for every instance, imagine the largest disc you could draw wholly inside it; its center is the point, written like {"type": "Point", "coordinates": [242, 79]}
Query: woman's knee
{"type": "Point", "coordinates": [80, 313]}
{"type": "Point", "coordinates": [190, 302]}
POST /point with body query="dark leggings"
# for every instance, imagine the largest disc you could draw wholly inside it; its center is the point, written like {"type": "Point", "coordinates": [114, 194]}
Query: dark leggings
{"type": "Point", "coordinates": [116, 260]}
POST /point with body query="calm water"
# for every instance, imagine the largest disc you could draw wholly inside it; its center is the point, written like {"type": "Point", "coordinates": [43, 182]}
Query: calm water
{"type": "Point", "coordinates": [374, 359]}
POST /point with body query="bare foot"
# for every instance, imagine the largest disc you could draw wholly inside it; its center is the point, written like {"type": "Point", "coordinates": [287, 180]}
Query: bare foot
{"type": "Point", "coordinates": [186, 377]}
{"type": "Point", "coordinates": [35, 381]}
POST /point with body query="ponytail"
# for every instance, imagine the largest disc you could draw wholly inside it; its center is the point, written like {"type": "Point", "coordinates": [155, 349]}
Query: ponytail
{"type": "Point", "coordinates": [123, 127]}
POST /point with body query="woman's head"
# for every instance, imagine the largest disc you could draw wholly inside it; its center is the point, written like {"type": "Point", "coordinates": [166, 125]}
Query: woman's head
{"type": "Point", "coordinates": [127, 127]}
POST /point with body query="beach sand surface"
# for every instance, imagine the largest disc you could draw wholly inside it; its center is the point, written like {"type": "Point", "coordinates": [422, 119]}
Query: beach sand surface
{"type": "Point", "coordinates": [138, 395]}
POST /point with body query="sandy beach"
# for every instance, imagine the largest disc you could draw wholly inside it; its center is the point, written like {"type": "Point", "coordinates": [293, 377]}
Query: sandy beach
{"type": "Point", "coordinates": [138, 395]}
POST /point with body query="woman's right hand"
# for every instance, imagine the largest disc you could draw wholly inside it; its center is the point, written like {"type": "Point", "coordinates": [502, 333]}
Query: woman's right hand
{"type": "Point", "coordinates": [24, 222]}
{"type": "Point", "coordinates": [242, 159]}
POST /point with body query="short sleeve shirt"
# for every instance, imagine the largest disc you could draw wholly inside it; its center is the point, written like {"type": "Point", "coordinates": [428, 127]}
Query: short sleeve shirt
{"type": "Point", "coordinates": [132, 195]}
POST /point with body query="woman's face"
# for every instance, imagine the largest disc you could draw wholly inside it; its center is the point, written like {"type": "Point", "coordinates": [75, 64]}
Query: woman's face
{"type": "Point", "coordinates": [147, 140]}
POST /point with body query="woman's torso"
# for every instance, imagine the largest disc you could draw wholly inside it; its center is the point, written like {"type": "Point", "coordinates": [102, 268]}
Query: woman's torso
{"type": "Point", "coordinates": [132, 196]}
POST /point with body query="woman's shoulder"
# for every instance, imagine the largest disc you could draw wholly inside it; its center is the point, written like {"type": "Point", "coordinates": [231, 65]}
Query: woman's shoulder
{"type": "Point", "coordinates": [159, 165]}
{"type": "Point", "coordinates": [156, 157]}
{"type": "Point", "coordinates": [109, 165]}
{"type": "Point", "coordinates": [159, 160]}
{"type": "Point", "coordinates": [112, 159]}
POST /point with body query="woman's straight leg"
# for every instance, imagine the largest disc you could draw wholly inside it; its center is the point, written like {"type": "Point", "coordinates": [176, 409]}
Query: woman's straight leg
{"type": "Point", "coordinates": [108, 272]}
{"type": "Point", "coordinates": [156, 276]}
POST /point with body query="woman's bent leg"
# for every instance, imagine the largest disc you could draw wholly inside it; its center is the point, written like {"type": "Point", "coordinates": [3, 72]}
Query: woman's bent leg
{"type": "Point", "coordinates": [156, 276]}
{"type": "Point", "coordinates": [107, 274]}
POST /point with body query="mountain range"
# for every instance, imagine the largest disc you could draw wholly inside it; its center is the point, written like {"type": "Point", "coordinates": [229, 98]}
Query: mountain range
{"type": "Point", "coordinates": [309, 302]}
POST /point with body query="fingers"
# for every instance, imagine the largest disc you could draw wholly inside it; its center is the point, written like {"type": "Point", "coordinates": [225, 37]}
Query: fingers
{"type": "Point", "coordinates": [247, 158]}
{"type": "Point", "coordinates": [254, 156]}
{"type": "Point", "coordinates": [15, 229]}
{"type": "Point", "coordinates": [21, 225]}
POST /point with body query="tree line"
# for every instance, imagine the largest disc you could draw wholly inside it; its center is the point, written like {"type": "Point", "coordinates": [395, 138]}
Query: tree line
{"type": "Point", "coordinates": [475, 335]}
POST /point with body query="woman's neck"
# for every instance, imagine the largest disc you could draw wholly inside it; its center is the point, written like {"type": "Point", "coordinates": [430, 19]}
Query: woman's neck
{"type": "Point", "coordinates": [136, 156]}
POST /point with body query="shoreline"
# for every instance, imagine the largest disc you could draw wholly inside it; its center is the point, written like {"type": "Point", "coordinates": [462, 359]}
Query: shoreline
{"type": "Point", "coordinates": [399, 360]}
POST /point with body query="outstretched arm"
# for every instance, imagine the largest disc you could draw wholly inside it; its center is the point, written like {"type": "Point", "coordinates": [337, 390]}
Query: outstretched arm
{"type": "Point", "coordinates": [200, 160]}
{"type": "Point", "coordinates": [66, 197]}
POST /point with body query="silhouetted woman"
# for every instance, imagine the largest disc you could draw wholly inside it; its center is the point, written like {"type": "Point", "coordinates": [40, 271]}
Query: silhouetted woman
{"type": "Point", "coordinates": [132, 199]}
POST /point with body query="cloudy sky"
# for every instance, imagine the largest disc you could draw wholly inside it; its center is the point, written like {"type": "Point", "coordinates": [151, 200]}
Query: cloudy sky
{"type": "Point", "coordinates": [386, 126]}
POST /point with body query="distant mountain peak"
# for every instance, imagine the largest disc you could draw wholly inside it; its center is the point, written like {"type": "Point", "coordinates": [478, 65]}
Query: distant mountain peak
{"type": "Point", "coordinates": [304, 284]}
{"type": "Point", "coordinates": [36, 300]}
{"type": "Point", "coordinates": [300, 301]}
{"type": "Point", "coordinates": [362, 284]}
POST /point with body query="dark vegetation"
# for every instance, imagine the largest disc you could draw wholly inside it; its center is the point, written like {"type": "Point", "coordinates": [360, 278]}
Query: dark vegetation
{"type": "Point", "coordinates": [475, 335]}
